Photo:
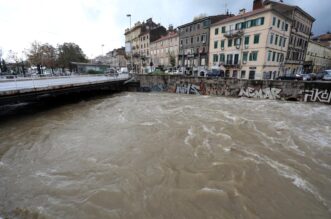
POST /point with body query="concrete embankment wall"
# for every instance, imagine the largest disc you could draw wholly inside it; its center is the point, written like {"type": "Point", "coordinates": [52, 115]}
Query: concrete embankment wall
{"type": "Point", "coordinates": [276, 90]}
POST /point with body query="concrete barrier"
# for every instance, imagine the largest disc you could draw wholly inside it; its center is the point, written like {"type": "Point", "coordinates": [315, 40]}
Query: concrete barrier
{"type": "Point", "coordinates": [260, 89]}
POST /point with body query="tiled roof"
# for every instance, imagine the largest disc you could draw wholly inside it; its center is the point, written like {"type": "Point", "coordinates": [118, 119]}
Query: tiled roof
{"type": "Point", "coordinates": [168, 36]}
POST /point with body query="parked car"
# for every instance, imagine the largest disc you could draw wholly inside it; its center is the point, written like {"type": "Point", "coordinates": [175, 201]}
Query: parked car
{"type": "Point", "coordinates": [287, 78]}
{"type": "Point", "coordinates": [327, 75]}
{"type": "Point", "coordinates": [309, 76]}
{"type": "Point", "coordinates": [320, 75]}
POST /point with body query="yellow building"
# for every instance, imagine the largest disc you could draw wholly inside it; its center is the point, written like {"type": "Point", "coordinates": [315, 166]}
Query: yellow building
{"type": "Point", "coordinates": [250, 45]}
{"type": "Point", "coordinates": [318, 58]}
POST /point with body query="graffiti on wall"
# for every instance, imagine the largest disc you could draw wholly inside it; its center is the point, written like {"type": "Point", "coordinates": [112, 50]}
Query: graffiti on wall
{"type": "Point", "coordinates": [316, 95]}
{"type": "Point", "coordinates": [188, 89]}
{"type": "Point", "coordinates": [158, 88]}
{"type": "Point", "coordinates": [267, 93]}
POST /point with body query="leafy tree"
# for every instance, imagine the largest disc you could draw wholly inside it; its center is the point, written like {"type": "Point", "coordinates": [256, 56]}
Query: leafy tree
{"type": "Point", "coordinates": [42, 55]}
{"type": "Point", "coordinates": [4, 66]}
{"type": "Point", "coordinates": [70, 52]}
{"type": "Point", "coordinates": [172, 59]}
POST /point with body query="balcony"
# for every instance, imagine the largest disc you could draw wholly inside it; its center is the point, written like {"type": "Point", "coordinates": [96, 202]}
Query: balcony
{"type": "Point", "coordinates": [234, 33]}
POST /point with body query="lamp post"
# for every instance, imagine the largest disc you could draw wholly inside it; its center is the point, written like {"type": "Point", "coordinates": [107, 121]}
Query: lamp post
{"type": "Point", "coordinates": [129, 16]}
{"type": "Point", "coordinates": [102, 45]}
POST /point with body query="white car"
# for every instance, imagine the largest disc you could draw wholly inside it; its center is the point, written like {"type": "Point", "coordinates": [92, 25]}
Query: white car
{"type": "Point", "coordinates": [327, 75]}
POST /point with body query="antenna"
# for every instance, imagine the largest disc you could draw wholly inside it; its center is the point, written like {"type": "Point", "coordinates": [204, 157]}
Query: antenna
{"type": "Point", "coordinates": [226, 6]}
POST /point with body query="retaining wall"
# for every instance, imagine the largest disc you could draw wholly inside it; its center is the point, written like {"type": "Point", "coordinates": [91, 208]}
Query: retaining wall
{"type": "Point", "coordinates": [262, 89]}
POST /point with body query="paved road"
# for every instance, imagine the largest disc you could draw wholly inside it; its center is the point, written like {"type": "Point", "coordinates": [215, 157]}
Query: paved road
{"type": "Point", "coordinates": [44, 83]}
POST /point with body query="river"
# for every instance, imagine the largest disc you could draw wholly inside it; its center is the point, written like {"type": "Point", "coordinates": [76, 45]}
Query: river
{"type": "Point", "coordinates": [138, 155]}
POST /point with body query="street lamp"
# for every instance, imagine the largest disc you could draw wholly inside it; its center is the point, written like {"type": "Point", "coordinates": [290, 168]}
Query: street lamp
{"type": "Point", "coordinates": [102, 49]}
{"type": "Point", "coordinates": [129, 16]}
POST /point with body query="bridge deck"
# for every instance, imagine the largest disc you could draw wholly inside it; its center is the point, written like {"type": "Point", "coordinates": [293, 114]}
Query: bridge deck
{"type": "Point", "coordinates": [13, 87]}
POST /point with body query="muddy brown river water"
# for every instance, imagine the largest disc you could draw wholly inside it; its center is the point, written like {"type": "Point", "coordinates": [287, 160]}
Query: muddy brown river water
{"type": "Point", "coordinates": [135, 155]}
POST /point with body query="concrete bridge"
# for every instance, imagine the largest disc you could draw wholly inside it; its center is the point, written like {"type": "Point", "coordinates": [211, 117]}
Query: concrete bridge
{"type": "Point", "coordinates": [16, 90]}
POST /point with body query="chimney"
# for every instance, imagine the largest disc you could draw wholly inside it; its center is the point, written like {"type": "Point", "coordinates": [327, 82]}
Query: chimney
{"type": "Point", "coordinates": [242, 11]}
{"type": "Point", "coordinates": [257, 4]}
{"type": "Point", "coordinates": [171, 27]}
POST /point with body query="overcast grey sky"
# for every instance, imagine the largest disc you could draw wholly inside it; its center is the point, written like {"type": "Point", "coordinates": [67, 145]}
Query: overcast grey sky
{"type": "Point", "coordinates": [91, 23]}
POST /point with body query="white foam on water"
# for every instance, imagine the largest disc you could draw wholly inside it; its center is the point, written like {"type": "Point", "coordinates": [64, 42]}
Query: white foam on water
{"type": "Point", "coordinates": [147, 123]}
{"type": "Point", "coordinates": [211, 190]}
{"type": "Point", "coordinates": [189, 137]}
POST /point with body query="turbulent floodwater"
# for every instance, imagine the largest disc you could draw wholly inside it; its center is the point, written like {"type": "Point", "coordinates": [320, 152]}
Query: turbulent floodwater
{"type": "Point", "coordinates": [137, 155]}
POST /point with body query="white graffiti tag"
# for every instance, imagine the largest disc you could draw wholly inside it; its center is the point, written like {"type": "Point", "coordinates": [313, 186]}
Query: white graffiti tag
{"type": "Point", "coordinates": [323, 96]}
{"type": "Point", "coordinates": [188, 89]}
{"type": "Point", "coordinates": [267, 93]}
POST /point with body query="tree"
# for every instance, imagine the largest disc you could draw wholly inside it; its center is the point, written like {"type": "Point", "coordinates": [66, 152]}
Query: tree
{"type": "Point", "coordinates": [172, 59]}
{"type": "Point", "coordinates": [42, 55]}
{"type": "Point", "coordinates": [4, 66]}
{"type": "Point", "coordinates": [70, 52]}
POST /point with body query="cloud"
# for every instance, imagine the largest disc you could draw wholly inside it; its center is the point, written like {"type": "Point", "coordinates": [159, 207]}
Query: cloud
{"type": "Point", "coordinates": [91, 23]}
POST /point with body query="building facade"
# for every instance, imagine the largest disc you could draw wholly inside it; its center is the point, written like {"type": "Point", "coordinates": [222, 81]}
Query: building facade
{"type": "Point", "coordinates": [117, 58]}
{"type": "Point", "coordinates": [318, 58]}
{"type": "Point", "coordinates": [164, 51]}
{"type": "Point", "coordinates": [324, 39]}
{"type": "Point", "coordinates": [300, 35]}
{"type": "Point", "coordinates": [251, 45]}
{"type": "Point", "coordinates": [194, 41]}
{"type": "Point", "coordinates": [139, 37]}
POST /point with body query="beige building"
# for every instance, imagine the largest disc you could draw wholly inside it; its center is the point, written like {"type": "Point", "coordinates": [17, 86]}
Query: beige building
{"type": "Point", "coordinates": [318, 58]}
{"type": "Point", "coordinates": [117, 58]}
{"type": "Point", "coordinates": [249, 45]}
{"type": "Point", "coordinates": [164, 51]}
{"type": "Point", "coordinates": [139, 37]}
{"type": "Point", "coordinates": [302, 24]}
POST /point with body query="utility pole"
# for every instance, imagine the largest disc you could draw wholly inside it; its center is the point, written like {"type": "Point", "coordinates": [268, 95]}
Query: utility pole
{"type": "Point", "coordinates": [129, 16]}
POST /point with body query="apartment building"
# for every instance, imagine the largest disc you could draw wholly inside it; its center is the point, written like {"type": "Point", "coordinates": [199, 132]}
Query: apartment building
{"type": "Point", "coordinates": [117, 58]}
{"type": "Point", "coordinates": [139, 37]}
{"type": "Point", "coordinates": [194, 41]}
{"type": "Point", "coordinates": [251, 45]}
{"type": "Point", "coordinates": [318, 57]}
{"type": "Point", "coordinates": [164, 51]}
{"type": "Point", "coordinates": [324, 39]}
{"type": "Point", "coordinates": [300, 34]}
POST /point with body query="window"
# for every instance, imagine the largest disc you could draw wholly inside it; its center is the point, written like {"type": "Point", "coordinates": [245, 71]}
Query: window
{"type": "Point", "coordinates": [216, 31]}
{"type": "Point", "coordinates": [236, 59]}
{"type": "Point", "coordinates": [215, 44]}
{"type": "Point", "coordinates": [269, 55]}
{"type": "Point", "coordinates": [230, 43]}
{"type": "Point", "coordinates": [246, 40]}
{"type": "Point", "coordinates": [229, 59]}
{"type": "Point", "coordinates": [198, 38]}
{"type": "Point", "coordinates": [276, 40]}
{"type": "Point", "coordinates": [274, 21]}
{"type": "Point", "coordinates": [259, 21]}
{"type": "Point", "coordinates": [256, 38]}
{"type": "Point", "coordinates": [280, 41]}
{"type": "Point", "coordinates": [198, 26]}
{"type": "Point", "coordinates": [272, 38]}
{"type": "Point", "coordinates": [283, 25]}
{"type": "Point", "coordinates": [253, 56]}
{"type": "Point", "coordinates": [286, 27]}
{"type": "Point", "coordinates": [278, 57]}
{"type": "Point", "coordinates": [278, 24]}
{"type": "Point", "coordinates": [245, 56]}
{"type": "Point", "coordinates": [238, 41]}
{"type": "Point", "coordinates": [223, 29]}
{"type": "Point", "coordinates": [215, 58]}
{"type": "Point", "coordinates": [222, 57]}
{"type": "Point", "coordinates": [181, 42]}
{"type": "Point", "coordinates": [243, 74]}
{"type": "Point", "coordinates": [222, 44]}
{"type": "Point", "coordinates": [251, 75]}
{"type": "Point", "coordinates": [274, 56]}
{"type": "Point", "coordinates": [191, 40]}
{"type": "Point", "coordinates": [235, 74]}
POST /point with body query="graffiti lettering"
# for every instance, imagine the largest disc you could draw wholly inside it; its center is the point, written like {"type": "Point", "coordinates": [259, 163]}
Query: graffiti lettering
{"type": "Point", "coordinates": [323, 96]}
{"type": "Point", "coordinates": [188, 89]}
{"type": "Point", "coordinates": [158, 88]}
{"type": "Point", "coordinates": [267, 93]}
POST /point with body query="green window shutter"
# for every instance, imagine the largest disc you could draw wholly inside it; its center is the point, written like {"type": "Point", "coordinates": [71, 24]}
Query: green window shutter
{"type": "Point", "coordinates": [262, 20]}
{"type": "Point", "coordinates": [215, 44]}
{"type": "Point", "coordinates": [245, 56]}
{"type": "Point", "coordinates": [216, 31]}
{"type": "Point", "coordinates": [230, 43]}
{"type": "Point", "coordinates": [246, 40]}
{"type": "Point", "coordinates": [273, 21]}
{"type": "Point", "coordinates": [222, 43]}
{"type": "Point", "coordinates": [223, 29]}
{"type": "Point", "coordinates": [256, 38]}
{"type": "Point", "coordinates": [215, 58]}
{"type": "Point", "coordinates": [222, 57]}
